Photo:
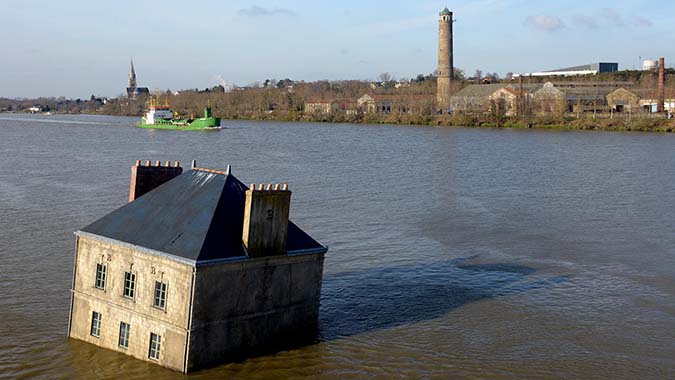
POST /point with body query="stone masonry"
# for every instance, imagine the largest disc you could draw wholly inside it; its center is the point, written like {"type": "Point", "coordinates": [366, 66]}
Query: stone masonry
{"type": "Point", "coordinates": [445, 60]}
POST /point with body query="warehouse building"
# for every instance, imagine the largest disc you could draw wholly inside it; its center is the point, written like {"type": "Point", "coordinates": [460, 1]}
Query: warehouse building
{"type": "Point", "coordinates": [590, 69]}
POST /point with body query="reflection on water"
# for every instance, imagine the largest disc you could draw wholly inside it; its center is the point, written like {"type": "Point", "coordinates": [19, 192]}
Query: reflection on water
{"type": "Point", "coordinates": [454, 253]}
{"type": "Point", "coordinates": [379, 298]}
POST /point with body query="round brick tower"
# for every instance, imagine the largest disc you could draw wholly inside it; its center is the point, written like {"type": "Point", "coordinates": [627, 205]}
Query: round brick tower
{"type": "Point", "coordinates": [446, 71]}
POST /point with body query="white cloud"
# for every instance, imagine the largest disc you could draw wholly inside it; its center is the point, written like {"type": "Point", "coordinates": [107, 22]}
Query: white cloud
{"type": "Point", "coordinates": [613, 18]}
{"type": "Point", "coordinates": [641, 21]}
{"type": "Point", "coordinates": [586, 21]}
{"type": "Point", "coordinates": [257, 11]}
{"type": "Point", "coordinates": [545, 23]}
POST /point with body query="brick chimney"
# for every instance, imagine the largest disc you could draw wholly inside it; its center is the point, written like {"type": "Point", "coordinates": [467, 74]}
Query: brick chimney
{"type": "Point", "coordinates": [265, 231]}
{"type": "Point", "coordinates": [146, 177]}
{"type": "Point", "coordinates": [661, 89]}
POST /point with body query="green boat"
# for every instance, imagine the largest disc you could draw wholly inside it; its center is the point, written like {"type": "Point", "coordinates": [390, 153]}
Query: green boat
{"type": "Point", "coordinates": [161, 117]}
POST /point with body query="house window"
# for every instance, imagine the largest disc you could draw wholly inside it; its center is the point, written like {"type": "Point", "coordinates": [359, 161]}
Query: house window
{"type": "Point", "coordinates": [160, 295]}
{"type": "Point", "coordinates": [96, 324]}
{"type": "Point", "coordinates": [124, 335]}
{"type": "Point", "coordinates": [129, 284]}
{"type": "Point", "coordinates": [155, 343]}
{"type": "Point", "coordinates": [100, 275]}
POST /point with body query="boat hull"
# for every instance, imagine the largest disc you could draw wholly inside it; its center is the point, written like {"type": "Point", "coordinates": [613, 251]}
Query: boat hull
{"type": "Point", "coordinates": [201, 124]}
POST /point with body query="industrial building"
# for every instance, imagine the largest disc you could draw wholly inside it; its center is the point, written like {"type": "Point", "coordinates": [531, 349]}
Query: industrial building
{"type": "Point", "coordinates": [197, 269]}
{"type": "Point", "coordinates": [548, 97]}
{"type": "Point", "coordinates": [590, 69]}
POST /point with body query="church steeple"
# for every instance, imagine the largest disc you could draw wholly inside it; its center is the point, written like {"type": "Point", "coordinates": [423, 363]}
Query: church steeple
{"type": "Point", "coordinates": [132, 76]}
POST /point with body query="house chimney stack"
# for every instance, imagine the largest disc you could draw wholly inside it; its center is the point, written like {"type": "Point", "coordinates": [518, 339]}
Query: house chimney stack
{"type": "Point", "coordinates": [661, 89]}
{"type": "Point", "coordinates": [145, 177]}
{"type": "Point", "coordinates": [265, 231]}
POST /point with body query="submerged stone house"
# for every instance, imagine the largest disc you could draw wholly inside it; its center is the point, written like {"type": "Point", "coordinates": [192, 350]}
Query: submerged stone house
{"type": "Point", "coordinates": [197, 269]}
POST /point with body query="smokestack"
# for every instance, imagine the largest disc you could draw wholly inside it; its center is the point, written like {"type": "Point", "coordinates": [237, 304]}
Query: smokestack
{"type": "Point", "coordinates": [661, 89]}
{"type": "Point", "coordinates": [146, 177]}
{"type": "Point", "coordinates": [265, 231]}
{"type": "Point", "coordinates": [446, 70]}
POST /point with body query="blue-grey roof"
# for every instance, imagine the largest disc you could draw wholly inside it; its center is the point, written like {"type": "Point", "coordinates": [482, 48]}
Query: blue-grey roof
{"type": "Point", "coordinates": [196, 216]}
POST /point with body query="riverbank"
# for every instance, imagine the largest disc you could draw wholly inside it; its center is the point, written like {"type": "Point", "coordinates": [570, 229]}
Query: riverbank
{"type": "Point", "coordinates": [641, 123]}
{"type": "Point", "coordinates": [601, 123]}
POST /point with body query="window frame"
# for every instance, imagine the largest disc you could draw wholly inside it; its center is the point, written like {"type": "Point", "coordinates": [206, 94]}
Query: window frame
{"type": "Point", "coordinates": [95, 328]}
{"type": "Point", "coordinates": [161, 287]}
{"type": "Point", "coordinates": [102, 269]}
{"type": "Point", "coordinates": [123, 339]}
{"type": "Point", "coordinates": [155, 346]}
{"type": "Point", "coordinates": [129, 291]}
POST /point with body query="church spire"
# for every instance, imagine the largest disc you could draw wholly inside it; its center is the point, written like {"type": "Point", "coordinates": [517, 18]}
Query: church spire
{"type": "Point", "coordinates": [132, 76]}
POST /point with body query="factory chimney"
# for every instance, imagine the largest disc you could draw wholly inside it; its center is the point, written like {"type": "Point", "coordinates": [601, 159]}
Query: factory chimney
{"type": "Point", "coordinates": [446, 70]}
{"type": "Point", "coordinates": [661, 89]}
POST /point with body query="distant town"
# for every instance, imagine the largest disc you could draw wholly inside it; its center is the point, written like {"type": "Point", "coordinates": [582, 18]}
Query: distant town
{"type": "Point", "coordinates": [592, 96]}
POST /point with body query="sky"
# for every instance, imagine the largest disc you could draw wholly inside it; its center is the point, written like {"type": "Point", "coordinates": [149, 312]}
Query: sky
{"type": "Point", "coordinates": [79, 48]}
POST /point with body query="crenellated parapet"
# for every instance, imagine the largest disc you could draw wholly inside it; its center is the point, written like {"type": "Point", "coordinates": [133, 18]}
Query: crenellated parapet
{"type": "Point", "coordinates": [268, 187]}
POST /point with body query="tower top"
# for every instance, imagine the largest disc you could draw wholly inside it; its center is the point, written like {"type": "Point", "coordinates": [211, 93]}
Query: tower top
{"type": "Point", "coordinates": [445, 12]}
{"type": "Point", "coordinates": [132, 75]}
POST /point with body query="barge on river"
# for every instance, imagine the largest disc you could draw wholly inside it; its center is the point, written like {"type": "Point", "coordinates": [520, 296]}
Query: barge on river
{"type": "Point", "coordinates": [162, 117]}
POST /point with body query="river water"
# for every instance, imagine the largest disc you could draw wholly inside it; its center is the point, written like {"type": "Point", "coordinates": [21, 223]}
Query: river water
{"type": "Point", "coordinates": [454, 253]}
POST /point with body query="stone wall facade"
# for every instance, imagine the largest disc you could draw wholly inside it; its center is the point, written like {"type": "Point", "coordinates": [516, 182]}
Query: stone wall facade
{"type": "Point", "coordinates": [254, 305]}
{"type": "Point", "coordinates": [213, 313]}
{"type": "Point", "coordinates": [171, 323]}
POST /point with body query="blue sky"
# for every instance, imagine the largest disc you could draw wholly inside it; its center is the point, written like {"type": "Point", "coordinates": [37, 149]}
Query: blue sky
{"type": "Point", "coordinates": [81, 47]}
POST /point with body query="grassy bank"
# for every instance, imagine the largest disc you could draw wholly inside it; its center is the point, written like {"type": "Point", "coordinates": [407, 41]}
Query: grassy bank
{"type": "Point", "coordinates": [601, 123]}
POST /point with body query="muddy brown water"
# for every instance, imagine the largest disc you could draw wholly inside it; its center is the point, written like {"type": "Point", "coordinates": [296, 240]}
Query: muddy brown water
{"type": "Point", "coordinates": [454, 253]}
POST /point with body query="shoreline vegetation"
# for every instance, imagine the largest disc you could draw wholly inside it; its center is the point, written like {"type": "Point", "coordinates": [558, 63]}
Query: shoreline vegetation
{"type": "Point", "coordinates": [389, 101]}
{"type": "Point", "coordinates": [601, 122]}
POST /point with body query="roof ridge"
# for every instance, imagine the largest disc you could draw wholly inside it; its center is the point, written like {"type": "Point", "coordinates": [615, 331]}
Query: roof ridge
{"type": "Point", "coordinates": [214, 171]}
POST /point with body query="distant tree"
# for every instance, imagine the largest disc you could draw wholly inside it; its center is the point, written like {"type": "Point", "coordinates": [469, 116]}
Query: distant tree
{"type": "Point", "coordinates": [266, 83]}
{"type": "Point", "coordinates": [478, 75]}
{"type": "Point", "coordinates": [218, 88]}
{"type": "Point", "coordinates": [284, 83]}
{"type": "Point", "coordinates": [385, 77]}
{"type": "Point", "coordinates": [459, 74]}
{"type": "Point", "coordinates": [509, 76]}
{"type": "Point", "coordinates": [420, 78]}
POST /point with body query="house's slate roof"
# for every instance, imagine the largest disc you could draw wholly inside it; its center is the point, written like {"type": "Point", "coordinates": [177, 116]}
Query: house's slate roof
{"type": "Point", "coordinates": [479, 90]}
{"type": "Point", "coordinates": [196, 216]}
